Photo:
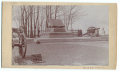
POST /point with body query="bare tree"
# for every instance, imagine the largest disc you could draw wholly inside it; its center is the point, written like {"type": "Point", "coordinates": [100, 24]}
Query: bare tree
{"type": "Point", "coordinates": [47, 15]}
{"type": "Point", "coordinates": [34, 23]}
{"type": "Point", "coordinates": [71, 14]}
{"type": "Point", "coordinates": [42, 17]}
{"type": "Point", "coordinates": [31, 14]}
{"type": "Point", "coordinates": [56, 10]}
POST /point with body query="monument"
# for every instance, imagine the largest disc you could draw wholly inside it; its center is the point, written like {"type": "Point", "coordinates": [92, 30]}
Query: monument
{"type": "Point", "coordinates": [55, 29]}
{"type": "Point", "coordinates": [103, 31]}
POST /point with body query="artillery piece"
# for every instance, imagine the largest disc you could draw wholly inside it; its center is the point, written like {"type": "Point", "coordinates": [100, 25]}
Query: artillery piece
{"type": "Point", "coordinates": [22, 43]}
{"type": "Point", "coordinates": [92, 31]}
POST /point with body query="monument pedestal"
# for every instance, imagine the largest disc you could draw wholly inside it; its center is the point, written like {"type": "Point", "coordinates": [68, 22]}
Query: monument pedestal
{"type": "Point", "coordinates": [56, 33]}
{"type": "Point", "coordinates": [55, 30]}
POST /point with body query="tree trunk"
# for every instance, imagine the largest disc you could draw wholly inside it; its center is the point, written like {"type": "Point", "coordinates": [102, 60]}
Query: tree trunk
{"type": "Point", "coordinates": [47, 16]}
{"type": "Point", "coordinates": [71, 24]}
{"type": "Point", "coordinates": [50, 13]}
{"type": "Point", "coordinates": [38, 32]}
{"type": "Point", "coordinates": [55, 12]}
{"type": "Point", "coordinates": [38, 29]}
{"type": "Point", "coordinates": [34, 24]}
{"type": "Point", "coordinates": [31, 34]}
{"type": "Point", "coordinates": [41, 27]}
{"type": "Point", "coordinates": [36, 21]}
{"type": "Point", "coordinates": [21, 16]}
{"type": "Point", "coordinates": [28, 25]}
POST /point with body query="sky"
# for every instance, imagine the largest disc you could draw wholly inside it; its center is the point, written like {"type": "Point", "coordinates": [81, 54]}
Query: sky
{"type": "Point", "coordinates": [95, 15]}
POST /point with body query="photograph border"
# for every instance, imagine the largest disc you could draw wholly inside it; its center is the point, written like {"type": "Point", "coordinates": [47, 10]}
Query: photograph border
{"type": "Point", "coordinates": [7, 37]}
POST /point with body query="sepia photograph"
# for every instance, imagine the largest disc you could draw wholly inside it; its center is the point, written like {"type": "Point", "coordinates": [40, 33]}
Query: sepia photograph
{"type": "Point", "coordinates": [60, 35]}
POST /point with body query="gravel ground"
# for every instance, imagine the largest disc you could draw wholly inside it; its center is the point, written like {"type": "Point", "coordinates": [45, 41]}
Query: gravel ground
{"type": "Point", "coordinates": [93, 53]}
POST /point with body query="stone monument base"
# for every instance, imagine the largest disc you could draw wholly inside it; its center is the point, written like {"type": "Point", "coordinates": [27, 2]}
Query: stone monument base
{"type": "Point", "coordinates": [56, 35]}
{"type": "Point", "coordinates": [55, 30]}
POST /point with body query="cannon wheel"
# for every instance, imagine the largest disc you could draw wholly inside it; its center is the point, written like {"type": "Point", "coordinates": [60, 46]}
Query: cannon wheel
{"type": "Point", "coordinates": [92, 34]}
{"type": "Point", "coordinates": [22, 46]}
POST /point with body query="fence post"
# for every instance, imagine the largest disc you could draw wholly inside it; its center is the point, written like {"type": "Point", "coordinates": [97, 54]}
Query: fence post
{"type": "Point", "coordinates": [79, 33]}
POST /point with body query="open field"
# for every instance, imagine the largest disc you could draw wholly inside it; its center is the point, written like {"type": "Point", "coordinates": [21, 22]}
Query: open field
{"type": "Point", "coordinates": [80, 53]}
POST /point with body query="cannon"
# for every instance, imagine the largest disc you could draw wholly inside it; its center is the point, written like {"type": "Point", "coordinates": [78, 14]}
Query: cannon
{"type": "Point", "coordinates": [22, 44]}
{"type": "Point", "coordinates": [93, 31]}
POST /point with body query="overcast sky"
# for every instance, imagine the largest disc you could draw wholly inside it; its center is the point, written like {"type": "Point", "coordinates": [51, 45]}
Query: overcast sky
{"type": "Point", "coordinates": [96, 15]}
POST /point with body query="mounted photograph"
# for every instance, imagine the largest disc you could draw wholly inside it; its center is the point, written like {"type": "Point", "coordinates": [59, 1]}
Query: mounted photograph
{"type": "Point", "coordinates": [60, 35]}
